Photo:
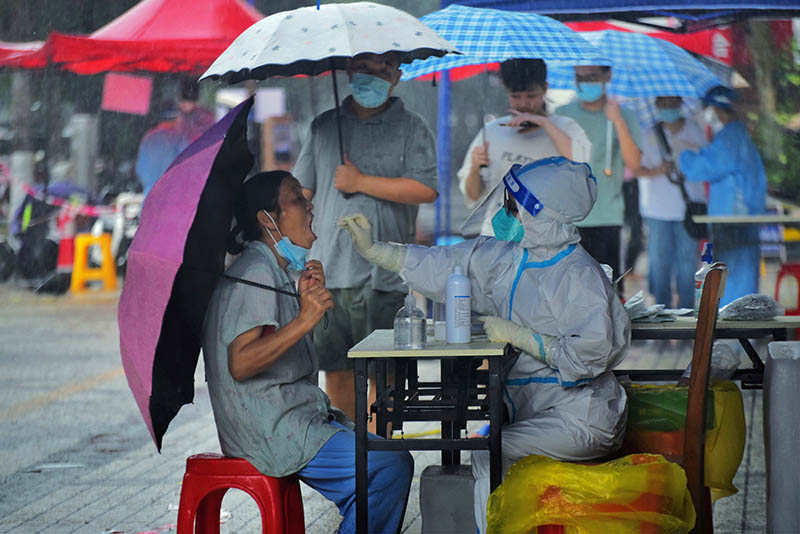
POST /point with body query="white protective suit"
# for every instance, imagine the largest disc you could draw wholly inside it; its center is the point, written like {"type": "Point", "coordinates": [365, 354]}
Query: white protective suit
{"type": "Point", "coordinates": [569, 406]}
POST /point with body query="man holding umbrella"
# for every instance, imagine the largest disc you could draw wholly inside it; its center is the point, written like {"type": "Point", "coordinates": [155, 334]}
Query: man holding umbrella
{"type": "Point", "coordinates": [616, 142]}
{"type": "Point", "coordinates": [388, 169]}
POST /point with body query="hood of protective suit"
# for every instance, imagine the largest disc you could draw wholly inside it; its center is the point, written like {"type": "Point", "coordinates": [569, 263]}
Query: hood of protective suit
{"type": "Point", "coordinates": [552, 194]}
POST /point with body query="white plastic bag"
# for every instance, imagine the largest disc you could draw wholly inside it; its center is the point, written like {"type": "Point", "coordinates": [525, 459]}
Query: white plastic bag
{"type": "Point", "coordinates": [753, 307]}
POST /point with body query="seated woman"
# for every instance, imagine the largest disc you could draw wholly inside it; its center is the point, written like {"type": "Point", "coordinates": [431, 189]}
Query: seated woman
{"type": "Point", "coordinates": [545, 295]}
{"type": "Point", "coordinates": [261, 366]}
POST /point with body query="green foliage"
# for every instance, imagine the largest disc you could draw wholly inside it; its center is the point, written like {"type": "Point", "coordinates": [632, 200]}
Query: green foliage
{"type": "Point", "coordinates": [778, 144]}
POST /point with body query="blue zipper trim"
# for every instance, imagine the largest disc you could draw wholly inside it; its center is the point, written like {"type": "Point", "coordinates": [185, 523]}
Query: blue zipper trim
{"type": "Point", "coordinates": [516, 281]}
{"type": "Point", "coordinates": [546, 380]}
{"type": "Point", "coordinates": [524, 264]}
{"type": "Point", "coordinates": [539, 340]}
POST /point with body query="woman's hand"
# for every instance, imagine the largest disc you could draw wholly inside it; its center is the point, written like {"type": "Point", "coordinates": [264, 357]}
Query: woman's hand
{"type": "Point", "coordinates": [315, 271]}
{"type": "Point", "coordinates": [315, 299]}
{"type": "Point", "coordinates": [480, 156]}
{"type": "Point", "coordinates": [526, 121]}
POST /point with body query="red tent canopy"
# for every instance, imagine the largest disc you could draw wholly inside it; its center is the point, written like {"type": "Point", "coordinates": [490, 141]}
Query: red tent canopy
{"type": "Point", "coordinates": [157, 36]}
{"type": "Point", "coordinates": [29, 55]}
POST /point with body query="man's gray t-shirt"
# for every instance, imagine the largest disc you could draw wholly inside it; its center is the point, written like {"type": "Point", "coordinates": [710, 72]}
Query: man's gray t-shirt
{"type": "Point", "coordinates": [393, 143]}
{"type": "Point", "coordinates": [277, 419]}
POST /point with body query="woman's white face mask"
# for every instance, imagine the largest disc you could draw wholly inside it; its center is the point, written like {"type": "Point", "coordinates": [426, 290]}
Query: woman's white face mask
{"type": "Point", "coordinates": [712, 119]}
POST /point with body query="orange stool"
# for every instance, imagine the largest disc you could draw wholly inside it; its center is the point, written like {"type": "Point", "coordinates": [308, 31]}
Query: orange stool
{"type": "Point", "coordinates": [209, 476]}
{"type": "Point", "coordinates": [81, 272]}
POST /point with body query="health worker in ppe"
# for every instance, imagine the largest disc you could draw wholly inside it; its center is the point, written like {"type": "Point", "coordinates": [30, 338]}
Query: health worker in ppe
{"type": "Point", "coordinates": [540, 291]}
{"type": "Point", "coordinates": [738, 186]}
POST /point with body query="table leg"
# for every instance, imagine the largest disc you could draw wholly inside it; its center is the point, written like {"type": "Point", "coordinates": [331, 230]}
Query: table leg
{"type": "Point", "coordinates": [751, 353]}
{"type": "Point", "coordinates": [496, 424]}
{"type": "Point", "coordinates": [446, 373]}
{"type": "Point", "coordinates": [381, 419]}
{"type": "Point", "coordinates": [361, 445]}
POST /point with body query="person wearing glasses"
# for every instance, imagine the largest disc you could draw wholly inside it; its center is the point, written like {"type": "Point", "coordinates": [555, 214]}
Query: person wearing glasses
{"type": "Point", "coordinates": [616, 144]}
{"type": "Point", "coordinates": [540, 291]}
{"type": "Point", "coordinates": [526, 134]}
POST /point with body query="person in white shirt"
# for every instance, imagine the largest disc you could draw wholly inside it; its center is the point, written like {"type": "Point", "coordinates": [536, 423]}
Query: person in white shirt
{"type": "Point", "coordinates": [526, 134]}
{"type": "Point", "coordinates": [672, 253]}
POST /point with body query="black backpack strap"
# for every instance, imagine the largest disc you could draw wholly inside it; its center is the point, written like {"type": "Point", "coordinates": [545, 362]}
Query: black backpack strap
{"type": "Point", "coordinates": [674, 174]}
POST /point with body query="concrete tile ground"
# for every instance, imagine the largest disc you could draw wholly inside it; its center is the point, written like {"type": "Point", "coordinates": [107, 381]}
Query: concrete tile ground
{"type": "Point", "coordinates": [76, 458]}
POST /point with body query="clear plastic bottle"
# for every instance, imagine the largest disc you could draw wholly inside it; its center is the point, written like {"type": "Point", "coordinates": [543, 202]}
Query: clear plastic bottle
{"type": "Point", "coordinates": [409, 326]}
{"type": "Point", "coordinates": [458, 305]}
{"type": "Point", "coordinates": [700, 276]}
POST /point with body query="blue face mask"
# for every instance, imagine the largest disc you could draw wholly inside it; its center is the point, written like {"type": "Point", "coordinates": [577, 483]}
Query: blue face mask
{"type": "Point", "coordinates": [506, 227]}
{"type": "Point", "coordinates": [590, 91]}
{"type": "Point", "coordinates": [294, 254]}
{"type": "Point", "coordinates": [369, 91]}
{"type": "Point", "coordinates": [669, 114]}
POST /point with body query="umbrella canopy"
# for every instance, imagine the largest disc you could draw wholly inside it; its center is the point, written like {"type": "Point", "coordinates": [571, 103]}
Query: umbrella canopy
{"type": "Point", "coordinates": [313, 40]}
{"type": "Point", "coordinates": [174, 262]}
{"type": "Point", "coordinates": [691, 14]}
{"type": "Point", "coordinates": [489, 35]}
{"type": "Point", "coordinates": [643, 66]}
{"type": "Point", "coordinates": [157, 36]}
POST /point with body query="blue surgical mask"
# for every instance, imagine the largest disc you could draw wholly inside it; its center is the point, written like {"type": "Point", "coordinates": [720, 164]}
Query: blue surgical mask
{"type": "Point", "coordinates": [590, 91]}
{"type": "Point", "coordinates": [294, 254]}
{"type": "Point", "coordinates": [368, 90]}
{"type": "Point", "coordinates": [669, 114]}
{"type": "Point", "coordinates": [506, 227]}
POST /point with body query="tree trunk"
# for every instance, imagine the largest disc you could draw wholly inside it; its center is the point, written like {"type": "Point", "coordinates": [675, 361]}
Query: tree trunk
{"type": "Point", "coordinates": [762, 56]}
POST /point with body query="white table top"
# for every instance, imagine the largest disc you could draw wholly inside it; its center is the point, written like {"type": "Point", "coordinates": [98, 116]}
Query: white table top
{"type": "Point", "coordinates": [380, 344]}
{"type": "Point", "coordinates": [690, 323]}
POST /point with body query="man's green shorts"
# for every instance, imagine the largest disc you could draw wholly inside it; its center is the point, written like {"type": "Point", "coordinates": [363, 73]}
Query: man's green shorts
{"type": "Point", "coordinates": [357, 312]}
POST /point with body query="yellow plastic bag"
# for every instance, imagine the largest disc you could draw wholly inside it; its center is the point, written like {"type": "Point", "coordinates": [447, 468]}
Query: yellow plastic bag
{"type": "Point", "coordinates": [639, 493]}
{"type": "Point", "coordinates": [649, 406]}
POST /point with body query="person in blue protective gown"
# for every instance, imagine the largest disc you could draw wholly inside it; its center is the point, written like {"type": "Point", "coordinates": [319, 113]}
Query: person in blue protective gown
{"type": "Point", "coordinates": [540, 291]}
{"type": "Point", "coordinates": [738, 186]}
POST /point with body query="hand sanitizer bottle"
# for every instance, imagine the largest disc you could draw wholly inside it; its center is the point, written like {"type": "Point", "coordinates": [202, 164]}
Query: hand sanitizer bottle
{"type": "Point", "coordinates": [458, 306]}
{"type": "Point", "coordinates": [700, 275]}
{"type": "Point", "coordinates": [409, 326]}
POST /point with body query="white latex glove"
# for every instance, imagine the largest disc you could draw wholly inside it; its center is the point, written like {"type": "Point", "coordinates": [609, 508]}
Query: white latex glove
{"type": "Point", "coordinates": [504, 331]}
{"type": "Point", "coordinates": [390, 256]}
{"type": "Point", "coordinates": [360, 231]}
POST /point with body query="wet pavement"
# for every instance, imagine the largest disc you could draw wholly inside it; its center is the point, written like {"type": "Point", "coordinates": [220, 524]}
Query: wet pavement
{"type": "Point", "coordinates": [75, 456]}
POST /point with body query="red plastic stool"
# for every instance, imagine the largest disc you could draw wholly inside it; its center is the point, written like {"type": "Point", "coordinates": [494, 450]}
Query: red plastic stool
{"type": "Point", "coordinates": [209, 476]}
{"type": "Point", "coordinates": [790, 269]}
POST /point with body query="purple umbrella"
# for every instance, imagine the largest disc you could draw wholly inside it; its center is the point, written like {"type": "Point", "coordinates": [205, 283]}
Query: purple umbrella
{"type": "Point", "coordinates": [174, 263]}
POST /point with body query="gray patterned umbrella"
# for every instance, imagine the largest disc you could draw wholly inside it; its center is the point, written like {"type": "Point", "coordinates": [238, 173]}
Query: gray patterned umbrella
{"type": "Point", "coordinates": [313, 40]}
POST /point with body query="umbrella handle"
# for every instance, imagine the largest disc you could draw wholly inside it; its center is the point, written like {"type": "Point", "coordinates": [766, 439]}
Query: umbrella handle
{"type": "Point", "coordinates": [338, 117]}
{"type": "Point", "coordinates": [609, 142]}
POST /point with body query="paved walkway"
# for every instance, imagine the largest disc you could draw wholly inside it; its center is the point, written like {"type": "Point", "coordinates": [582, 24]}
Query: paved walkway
{"type": "Point", "coordinates": [75, 456]}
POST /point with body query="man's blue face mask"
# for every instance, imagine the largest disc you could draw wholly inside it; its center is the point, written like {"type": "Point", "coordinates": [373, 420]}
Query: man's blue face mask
{"type": "Point", "coordinates": [368, 90]}
{"type": "Point", "coordinates": [669, 114]}
{"type": "Point", "coordinates": [294, 254]}
{"type": "Point", "coordinates": [590, 91]}
{"type": "Point", "coordinates": [506, 227]}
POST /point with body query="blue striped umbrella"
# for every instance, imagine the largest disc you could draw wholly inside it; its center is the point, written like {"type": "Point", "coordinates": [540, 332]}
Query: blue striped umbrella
{"type": "Point", "coordinates": [491, 35]}
{"type": "Point", "coordinates": [642, 66]}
